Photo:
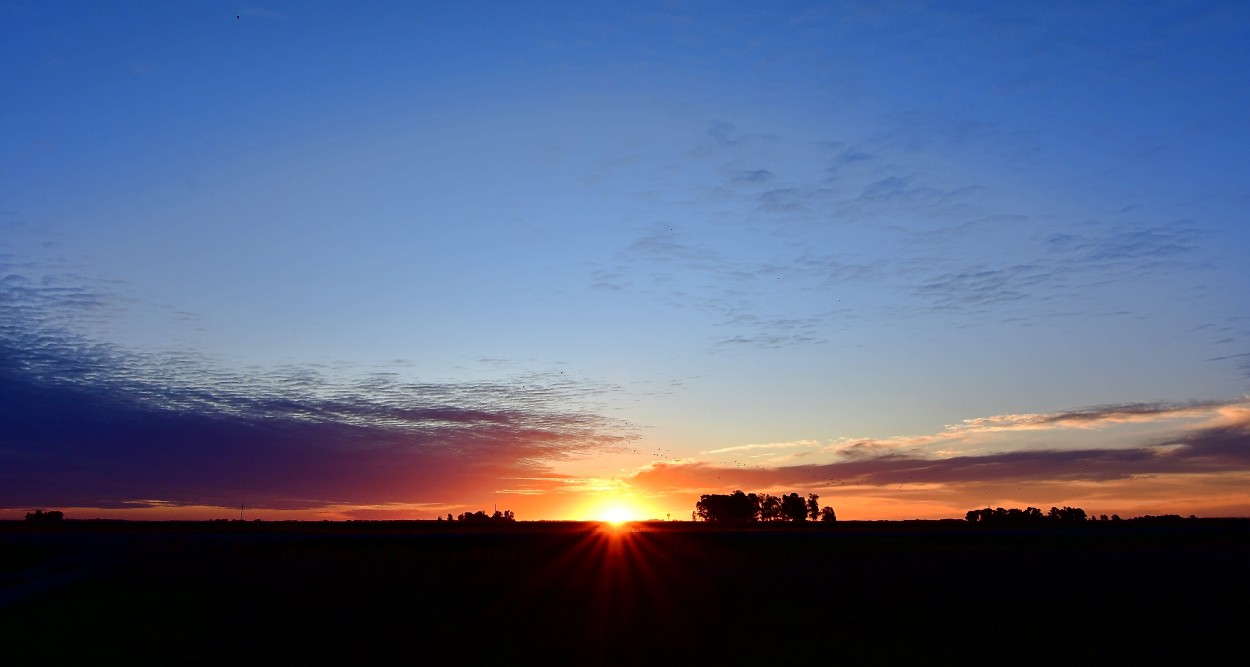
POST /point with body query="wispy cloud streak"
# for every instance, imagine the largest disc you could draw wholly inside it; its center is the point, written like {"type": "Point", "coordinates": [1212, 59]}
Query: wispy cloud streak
{"type": "Point", "coordinates": [773, 263]}
{"type": "Point", "coordinates": [87, 423]}
{"type": "Point", "coordinates": [1190, 442]}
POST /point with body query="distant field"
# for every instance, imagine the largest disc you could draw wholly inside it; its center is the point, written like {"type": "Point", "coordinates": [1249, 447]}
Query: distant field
{"type": "Point", "coordinates": [222, 592]}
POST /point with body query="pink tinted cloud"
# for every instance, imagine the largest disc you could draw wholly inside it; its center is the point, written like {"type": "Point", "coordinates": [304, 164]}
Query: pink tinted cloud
{"type": "Point", "coordinates": [1197, 449]}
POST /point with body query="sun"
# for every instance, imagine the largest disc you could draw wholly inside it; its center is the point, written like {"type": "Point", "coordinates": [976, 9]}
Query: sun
{"type": "Point", "coordinates": [616, 514]}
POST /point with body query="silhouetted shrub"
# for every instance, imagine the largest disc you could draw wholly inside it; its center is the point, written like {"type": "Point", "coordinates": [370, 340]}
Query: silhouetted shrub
{"type": "Point", "coordinates": [1025, 517]}
{"type": "Point", "coordinates": [40, 516]}
{"type": "Point", "coordinates": [481, 517]}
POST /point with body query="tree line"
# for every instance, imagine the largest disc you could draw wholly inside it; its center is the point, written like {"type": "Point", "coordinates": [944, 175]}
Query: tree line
{"type": "Point", "coordinates": [1030, 516]}
{"type": "Point", "coordinates": [481, 517]}
{"type": "Point", "coordinates": [739, 507]}
{"type": "Point", "coordinates": [40, 516]}
{"type": "Point", "coordinates": [1059, 515]}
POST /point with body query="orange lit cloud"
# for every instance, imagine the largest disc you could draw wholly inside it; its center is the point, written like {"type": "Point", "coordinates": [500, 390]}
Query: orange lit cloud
{"type": "Point", "coordinates": [1195, 458]}
{"type": "Point", "coordinates": [91, 425]}
{"type": "Point", "coordinates": [120, 433]}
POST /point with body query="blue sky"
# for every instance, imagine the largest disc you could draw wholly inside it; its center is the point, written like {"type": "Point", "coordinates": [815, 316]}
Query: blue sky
{"type": "Point", "coordinates": [584, 254]}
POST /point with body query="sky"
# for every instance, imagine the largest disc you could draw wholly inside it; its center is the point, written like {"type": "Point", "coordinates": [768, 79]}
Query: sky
{"type": "Point", "coordinates": [324, 261]}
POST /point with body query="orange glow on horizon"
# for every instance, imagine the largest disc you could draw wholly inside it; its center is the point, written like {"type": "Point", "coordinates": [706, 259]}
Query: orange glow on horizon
{"type": "Point", "coordinates": [616, 509]}
{"type": "Point", "coordinates": [1207, 494]}
{"type": "Point", "coordinates": [616, 515]}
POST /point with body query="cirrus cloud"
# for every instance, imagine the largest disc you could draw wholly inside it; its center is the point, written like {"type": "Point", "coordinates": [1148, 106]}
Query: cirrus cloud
{"type": "Point", "coordinates": [89, 424]}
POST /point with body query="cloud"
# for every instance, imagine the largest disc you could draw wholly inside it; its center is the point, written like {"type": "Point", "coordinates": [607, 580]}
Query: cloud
{"type": "Point", "coordinates": [1069, 268]}
{"type": "Point", "coordinates": [1162, 241]}
{"type": "Point", "coordinates": [783, 200]}
{"type": "Point", "coordinates": [723, 134]}
{"type": "Point", "coordinates": [787, 226]}
{"type": "Point", "coordinates": [733, 291]}
{"type": "Point", "coordinates": [750, 177]}
{"type": "Point", "coordinates": [258, 12]}
{"type": "Point", "coordinates": [1194, 445]}
{"type": "Point", "coordinates": [764, 446]}
{"type": "Point", "coordinates": [1243, 362]}
{"type": "Point", "coordinates": [1092, 417]}
{"type": "Point", "coordinates": [1005, 430]}
{"type": "Point", "coordinates": [86, 423]}
{"type": "Point", "coordinates": [897, 189]}
{"type": "Point", "coordinates": [980, 288]}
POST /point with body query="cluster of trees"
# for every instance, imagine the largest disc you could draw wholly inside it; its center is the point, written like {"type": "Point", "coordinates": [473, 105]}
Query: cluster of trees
{"type": "Point", "coordinates": [40, 516]}
{"type": "Point", "coordinates": [480, 516]}
{"type": "Point", "coordinates": [1030, 515]}
{"type": "Point", "coordinates": [739, 507]}
{"type": "Point", "coordinates": [1164, 519]}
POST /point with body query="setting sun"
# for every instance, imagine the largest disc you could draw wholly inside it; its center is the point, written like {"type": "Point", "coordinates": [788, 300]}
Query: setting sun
{"type": "Point", "coordinates": [617, 514]}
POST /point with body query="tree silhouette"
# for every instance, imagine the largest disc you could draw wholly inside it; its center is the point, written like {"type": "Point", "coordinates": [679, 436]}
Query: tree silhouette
{"type": "Point", "coordinates": [1067, 514]}
{"type": "Point", "coordinates": [1025, 517]}
{"type": "Point", "coordinates": [828, 515]}
{"type": "Point", "coordinates": [739, 507]}
{"type": "Point", "coordinates": [736, 507]}
{"type": "Point", "coordinates": [481, 517]}
{"type": "Point", "coordinates": [40, 516]}
{"type": "Point", "coordinates": [794, 507]}
{"type": "Point", "coordinates": [770, 507]}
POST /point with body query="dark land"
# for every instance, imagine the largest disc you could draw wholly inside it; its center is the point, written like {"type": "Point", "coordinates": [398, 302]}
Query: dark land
{"type": "Point", "coordinates": [230, 592]}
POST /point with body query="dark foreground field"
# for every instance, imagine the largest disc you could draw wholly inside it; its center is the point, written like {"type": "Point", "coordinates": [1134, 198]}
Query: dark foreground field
{"type": "Point", "coordinates": [572, 593]}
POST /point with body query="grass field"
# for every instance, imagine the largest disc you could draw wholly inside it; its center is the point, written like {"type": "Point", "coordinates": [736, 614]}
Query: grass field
{"type": "Point", "coordinates": [229, 592]}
